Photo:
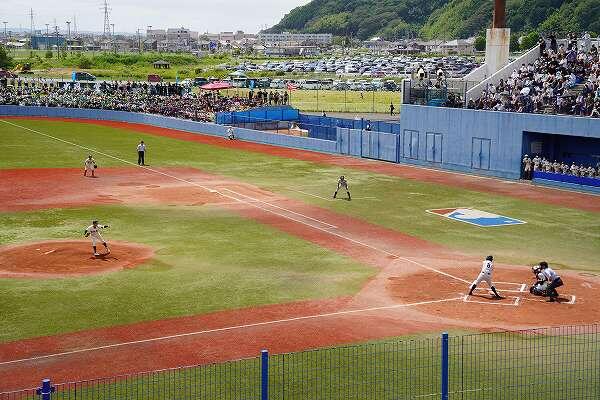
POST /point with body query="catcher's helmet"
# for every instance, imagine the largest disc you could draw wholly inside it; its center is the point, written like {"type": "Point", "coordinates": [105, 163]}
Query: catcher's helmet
{"type": "Point", "coordinates": [543, 265]}
{"type": "Point", "coordinates": [95, 221]}
{"type": "Point", "coordinates": [489, 258]}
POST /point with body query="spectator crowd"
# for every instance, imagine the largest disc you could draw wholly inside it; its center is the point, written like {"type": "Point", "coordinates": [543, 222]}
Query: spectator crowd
{"type": "Point", "coordinates": [565, 79]}
{"type": "Point", "coordinates": [541, 164]}
{"type": "Point", "coordinates": [166, 99]}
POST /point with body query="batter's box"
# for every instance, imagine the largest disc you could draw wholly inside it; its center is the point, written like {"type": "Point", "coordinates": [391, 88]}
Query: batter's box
{"type": "Point", "coordinates": [506, 287]}
{"type": "Point", "coordinates": [513, 301]}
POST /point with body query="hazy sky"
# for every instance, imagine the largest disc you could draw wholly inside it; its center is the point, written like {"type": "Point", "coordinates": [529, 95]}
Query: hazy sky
{"type": "Point", "coordinates": [128, 15]}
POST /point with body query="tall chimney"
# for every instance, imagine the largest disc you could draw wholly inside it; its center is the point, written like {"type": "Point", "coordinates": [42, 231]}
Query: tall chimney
{"type": "Point", "coordinates": [499, 14]}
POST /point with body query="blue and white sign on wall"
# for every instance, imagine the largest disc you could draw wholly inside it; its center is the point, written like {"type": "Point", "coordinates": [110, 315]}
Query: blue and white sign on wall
{"type": "Point", "coordinates": [476, 217]}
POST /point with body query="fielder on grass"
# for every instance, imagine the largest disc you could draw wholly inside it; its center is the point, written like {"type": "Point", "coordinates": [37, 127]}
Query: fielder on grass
{"type": "Point", "coordinates": [486, 275]}
{"type": "Point", "coordinates": [90, 166]}
{"type": "Point", "coordinates": [342, 183]}
{"type": "Point", "coordinates": [93, 232]}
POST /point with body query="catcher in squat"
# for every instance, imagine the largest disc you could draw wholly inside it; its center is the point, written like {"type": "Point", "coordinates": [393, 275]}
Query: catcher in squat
{"type": "Point", "coordinates": [342, 183]}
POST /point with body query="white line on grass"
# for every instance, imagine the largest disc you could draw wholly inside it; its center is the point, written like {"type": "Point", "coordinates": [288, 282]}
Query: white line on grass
{"type": "Point", "coordinates": [230, 328]}
{"type": "Point", "coordinates": [253, 205]}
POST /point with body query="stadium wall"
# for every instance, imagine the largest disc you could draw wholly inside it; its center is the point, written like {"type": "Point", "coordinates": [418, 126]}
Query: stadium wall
{"type": "Point", "coordinates": [479, 142]}
{"type": "Point", "coordinates": [324, 146]}
{"type": "Point", "coordinates": [483, 142]}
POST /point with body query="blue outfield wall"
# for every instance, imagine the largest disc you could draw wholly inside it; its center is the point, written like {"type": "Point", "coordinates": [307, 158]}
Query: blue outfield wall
{"type": "Point", "coordinates": [481, 142]}
{"type": "Point", "coordinates": [323, 146]}
{"type": "Point", "coordinates": [478, 142]}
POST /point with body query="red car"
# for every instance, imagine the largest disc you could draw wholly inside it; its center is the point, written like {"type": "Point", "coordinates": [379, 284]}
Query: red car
{"type": "Point", "coordinates": [154, 78]}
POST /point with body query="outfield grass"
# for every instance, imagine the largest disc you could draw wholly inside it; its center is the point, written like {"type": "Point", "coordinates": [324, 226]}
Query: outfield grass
{"type": "Point", "coordinates": [200, 256]}
{"type": "Point", "coordinates": [338, 101]}
{"type": "Point", "coordinates": [565, 237]}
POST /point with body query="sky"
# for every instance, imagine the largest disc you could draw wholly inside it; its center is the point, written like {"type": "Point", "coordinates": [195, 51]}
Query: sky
{"type": "Point", "coordinates": [129, 15]}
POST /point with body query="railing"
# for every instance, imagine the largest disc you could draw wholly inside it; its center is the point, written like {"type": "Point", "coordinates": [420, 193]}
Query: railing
{"type": "Point", "coordinates": [548, 363]}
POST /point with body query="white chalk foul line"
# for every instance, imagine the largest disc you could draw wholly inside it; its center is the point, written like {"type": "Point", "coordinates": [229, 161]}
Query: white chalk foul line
{"type": "Point", "coordinates": [230, 328]}
{"type": "Point", "coordinates": [245, 202]}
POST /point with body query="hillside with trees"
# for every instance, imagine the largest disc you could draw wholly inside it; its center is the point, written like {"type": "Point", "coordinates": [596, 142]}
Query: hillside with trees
{"type": "Point", "coordinates": [440, 19]}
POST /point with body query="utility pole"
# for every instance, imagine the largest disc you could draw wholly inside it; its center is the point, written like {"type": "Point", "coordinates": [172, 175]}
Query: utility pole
{"type": "Point", "coordinates": [113, 38]}
{"type": "Point", "coordinates": [31, 14]}
{"type": "Point", "coordinates": [47, 36]}
{"type": "Point", "coordinates": [57, 43]}
{"type": "Point", "coordinates": [68, 34]}
{"type": "Point", "coordinates": [139, 41]}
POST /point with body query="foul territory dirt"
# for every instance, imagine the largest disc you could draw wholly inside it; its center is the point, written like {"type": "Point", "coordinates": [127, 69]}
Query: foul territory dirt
{"type": "Point", "coordinates": [58, 259]}
{"type": "Point", "coordinates": [418, 287]}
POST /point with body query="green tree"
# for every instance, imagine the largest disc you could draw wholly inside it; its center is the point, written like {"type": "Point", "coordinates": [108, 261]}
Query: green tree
{"type": "Point", "coordinates": [480, 43]}
{"type": "Point", "coordinates": [84, 63]}
{"type": "Point", "coordinates": [514, 43]}
{"type": "Point", "coordinates": [6, 61]}
{"type": "Point", "coordinates": [530, 40]}
{"type": "Point", "coordinates": [48, 54]}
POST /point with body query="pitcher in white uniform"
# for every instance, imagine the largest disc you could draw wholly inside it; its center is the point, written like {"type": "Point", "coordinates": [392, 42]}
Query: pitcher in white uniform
{"type": "Point", "coordinates": [93, 232]}
{"type": "Point", "coordinates": [486, 275]}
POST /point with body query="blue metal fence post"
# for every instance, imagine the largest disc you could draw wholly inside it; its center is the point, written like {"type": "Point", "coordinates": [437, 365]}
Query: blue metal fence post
{"type": "Point", "coordinates": [46, 390]}
{"type": "Point", "coordinates": [445, 366]}
{"type": "Point", "coordinates": [264, 375]}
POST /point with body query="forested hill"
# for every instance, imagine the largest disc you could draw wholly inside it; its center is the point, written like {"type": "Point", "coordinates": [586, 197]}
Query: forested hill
{"type": "Point", "coordinates": [444, 19]}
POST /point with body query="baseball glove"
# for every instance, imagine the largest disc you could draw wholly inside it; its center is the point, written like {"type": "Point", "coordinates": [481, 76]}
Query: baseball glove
{"type": "Point", "coordinates": [95, 166]}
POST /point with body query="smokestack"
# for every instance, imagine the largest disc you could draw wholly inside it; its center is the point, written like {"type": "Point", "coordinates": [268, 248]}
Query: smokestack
{"type": "Point", "coordinates": [499, 14]}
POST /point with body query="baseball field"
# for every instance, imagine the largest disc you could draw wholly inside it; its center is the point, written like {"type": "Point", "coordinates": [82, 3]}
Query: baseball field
{"type": "Point", "coordinates": [221, 248]}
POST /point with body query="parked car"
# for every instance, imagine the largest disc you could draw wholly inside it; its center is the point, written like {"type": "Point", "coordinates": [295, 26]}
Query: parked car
{"type": "Point", "coordinates": [154, 78]}
{"type": "Point", "coordinates": [84, 76]}
{"type": "Point", "coordinates": [7, 74]}
{"type": "Point", "coordinates": [200, 81]}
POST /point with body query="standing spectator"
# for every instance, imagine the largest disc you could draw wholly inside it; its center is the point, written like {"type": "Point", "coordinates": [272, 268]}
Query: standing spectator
{"type": "Point", "coordinates": [141, 149]}
{"type": "Point", "coordinates": [527, 167]}
{"type": "Point", "coordinates": [392, 109]}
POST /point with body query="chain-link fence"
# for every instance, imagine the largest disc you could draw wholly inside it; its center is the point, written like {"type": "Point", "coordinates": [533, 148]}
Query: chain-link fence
{"type": "Point", "coordinates": [549, 363]}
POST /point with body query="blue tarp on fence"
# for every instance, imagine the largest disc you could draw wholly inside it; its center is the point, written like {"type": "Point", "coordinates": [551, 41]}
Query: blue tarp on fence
{"type": "Point", "coordinates": [260, 114]}
{"type": "Point", "coordinates": [575, 180]}
{"type": "Point", "coordinates": [325, 127]}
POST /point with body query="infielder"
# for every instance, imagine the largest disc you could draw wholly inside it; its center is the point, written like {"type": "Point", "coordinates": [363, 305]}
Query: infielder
{"type": "Point", "coordinates": [89, 166]}
{"type": "Point", "coordinates": [342, 183]}
{"type": "Point", "coordinates": [93, 232]}
{"type": "Point", "coordinates": [486, 275]}
{"type": "Point", "coordinates": [553, 279]}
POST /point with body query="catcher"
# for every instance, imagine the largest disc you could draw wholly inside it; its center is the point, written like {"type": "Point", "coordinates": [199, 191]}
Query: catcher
{"type": "Point", "coordinates": [90, 166]}
{"type": "Point", "coordinates": [540, 287]}
{"type": "Point", "coordinates": [342, 183]}
{"type": "Point", "coordinates": [554, 281]}
{"type": "Point", "coordinates": [93, 232]}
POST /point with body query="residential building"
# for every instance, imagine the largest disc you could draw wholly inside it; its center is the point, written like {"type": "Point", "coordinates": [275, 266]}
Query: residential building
{"type": "Point", "coordinates": [295, 39]}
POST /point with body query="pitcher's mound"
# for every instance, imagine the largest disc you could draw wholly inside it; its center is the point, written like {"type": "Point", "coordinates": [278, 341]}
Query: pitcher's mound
{"type": "Point", "coordinates": [57, 259]}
